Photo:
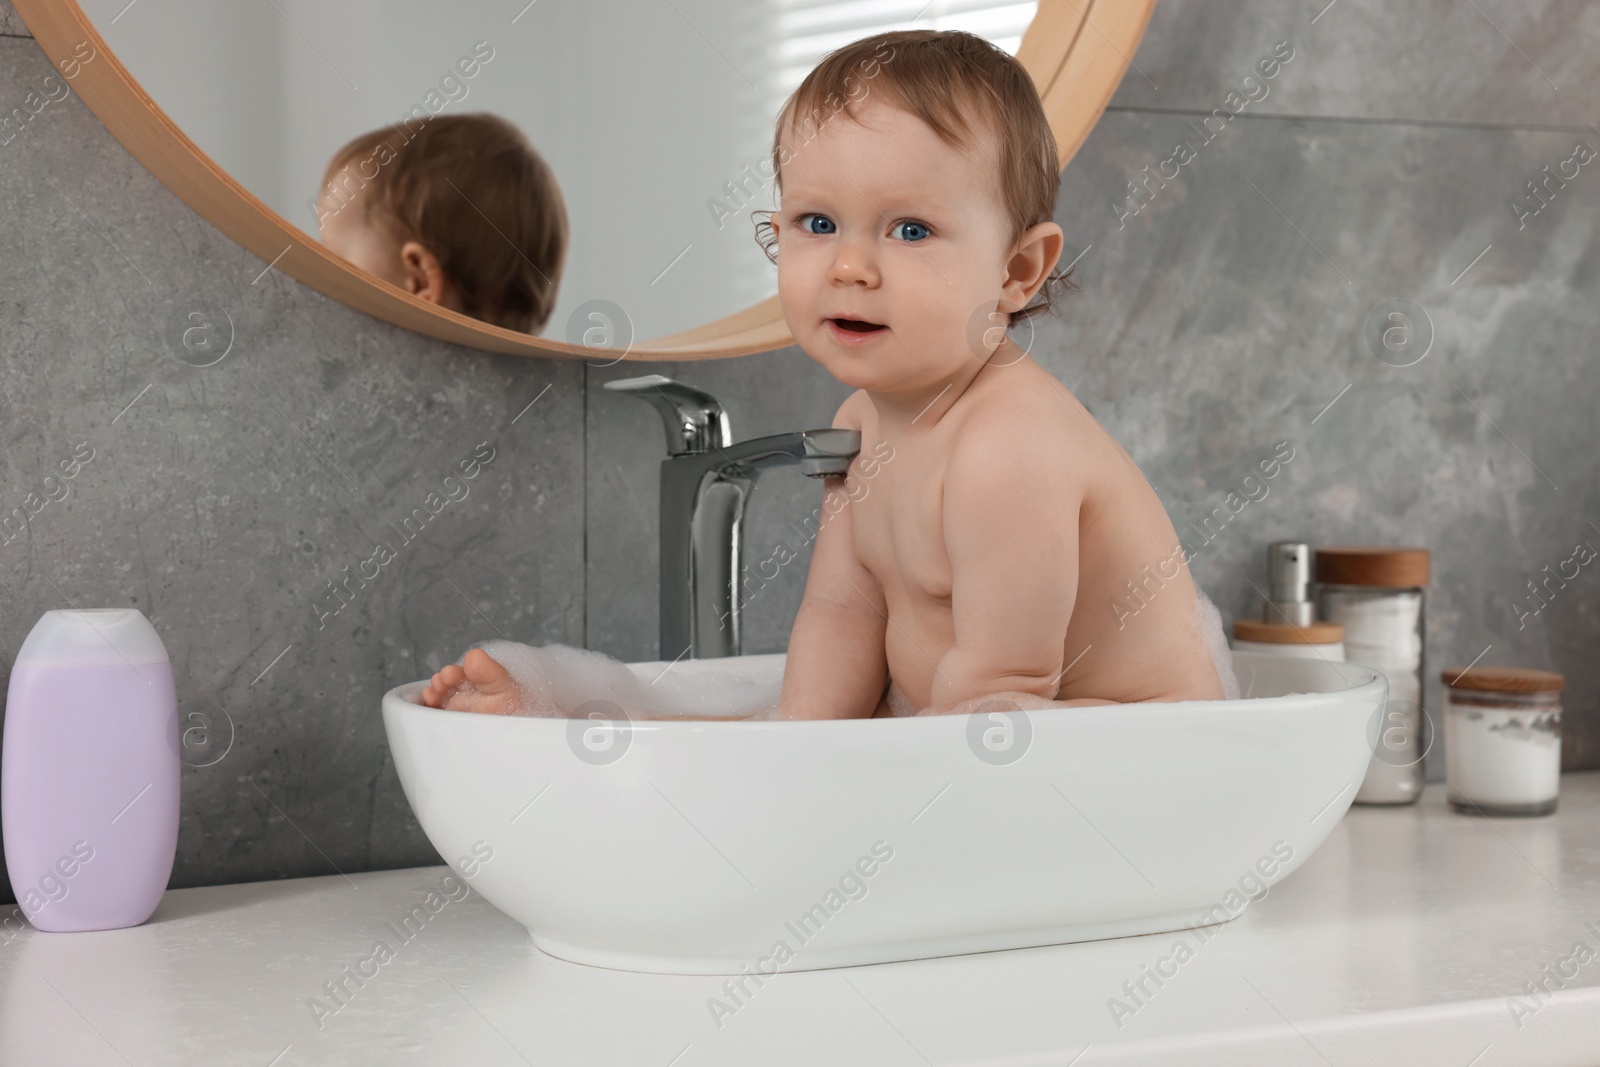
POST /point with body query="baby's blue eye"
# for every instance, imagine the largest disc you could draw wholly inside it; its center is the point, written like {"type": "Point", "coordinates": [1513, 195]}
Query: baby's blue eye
{"type": "Point", "coordinates": [918, 230]}
{"type": "Point", "coordinates": [823, 221]}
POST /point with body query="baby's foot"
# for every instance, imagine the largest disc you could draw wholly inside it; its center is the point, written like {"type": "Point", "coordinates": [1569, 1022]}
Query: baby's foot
{"type": "Point", "coordinates": [477, 684]}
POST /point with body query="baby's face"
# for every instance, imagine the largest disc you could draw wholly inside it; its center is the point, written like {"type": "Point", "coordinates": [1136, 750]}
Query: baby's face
{"type": "Point", "coordinates": [885, 223]}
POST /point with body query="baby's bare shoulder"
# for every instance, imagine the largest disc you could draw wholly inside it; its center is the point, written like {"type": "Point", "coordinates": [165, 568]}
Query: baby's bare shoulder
{"type": "Point", "coordinates": [1026, 426]}
{"type": "Point", "coordinates": [850, 413]}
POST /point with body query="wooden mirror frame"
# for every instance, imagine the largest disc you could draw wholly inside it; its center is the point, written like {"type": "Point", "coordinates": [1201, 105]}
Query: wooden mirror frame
{"type": "Point", "coordinates": [1075, 50]}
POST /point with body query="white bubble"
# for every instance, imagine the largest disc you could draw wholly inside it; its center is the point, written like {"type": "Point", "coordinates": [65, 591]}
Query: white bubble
{"type": "Point", "coordinates": [1209, 621]}
{"type": "Point", "coordinates": [558, 678]}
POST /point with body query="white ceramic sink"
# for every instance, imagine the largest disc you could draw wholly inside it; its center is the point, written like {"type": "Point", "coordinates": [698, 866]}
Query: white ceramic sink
{"type": "Point", "coordinates": [740, 847]}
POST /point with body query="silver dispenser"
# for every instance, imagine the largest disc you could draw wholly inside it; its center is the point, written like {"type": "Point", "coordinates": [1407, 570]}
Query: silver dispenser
{"type": "Point", "coordinates": [1289, 591]}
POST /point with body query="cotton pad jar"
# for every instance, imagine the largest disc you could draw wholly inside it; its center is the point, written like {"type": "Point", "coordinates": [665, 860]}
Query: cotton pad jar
{"type": "Point", "coordinates": [1376, 594]}
{"type": "Point", "coordinates": [1502, 740]}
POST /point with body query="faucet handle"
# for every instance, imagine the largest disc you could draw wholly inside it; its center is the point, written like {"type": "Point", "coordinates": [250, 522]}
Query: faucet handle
{"type": "Point", "coordinates": [694, 419]}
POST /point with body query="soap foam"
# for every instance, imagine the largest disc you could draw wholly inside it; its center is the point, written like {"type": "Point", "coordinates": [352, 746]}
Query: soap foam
{"type": "Point", "coordinates": [733, 686]}
{"type": "Point", "coordinates": [558, 679]}
{"type": "Point", "coordinates": [1209, 622]}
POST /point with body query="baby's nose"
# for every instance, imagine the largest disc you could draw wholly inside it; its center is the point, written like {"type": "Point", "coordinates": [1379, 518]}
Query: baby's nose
{"type": "Point", "coordinates": [853, 263]}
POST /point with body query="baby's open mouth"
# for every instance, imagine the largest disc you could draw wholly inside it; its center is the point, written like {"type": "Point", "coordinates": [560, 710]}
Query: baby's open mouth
{"type": "Point", "coordinates": [857, 325]}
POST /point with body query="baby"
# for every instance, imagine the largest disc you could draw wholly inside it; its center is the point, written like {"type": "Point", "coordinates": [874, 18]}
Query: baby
{"type": "Point", "coordinates": [996, 554]}
{"type": "Point", "coordinates": [458, 210]}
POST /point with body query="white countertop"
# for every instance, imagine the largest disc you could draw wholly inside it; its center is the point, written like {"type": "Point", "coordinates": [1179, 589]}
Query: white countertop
{"type": "Point", "coordinates": [1399, 941]}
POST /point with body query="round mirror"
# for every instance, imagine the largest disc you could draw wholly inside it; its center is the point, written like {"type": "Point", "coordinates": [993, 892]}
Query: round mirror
{"type": "Point", "coordinates": [589, 171]}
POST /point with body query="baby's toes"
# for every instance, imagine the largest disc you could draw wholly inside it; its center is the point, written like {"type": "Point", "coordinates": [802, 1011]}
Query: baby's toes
{"type": "Point", "coordinates": [442, 686]}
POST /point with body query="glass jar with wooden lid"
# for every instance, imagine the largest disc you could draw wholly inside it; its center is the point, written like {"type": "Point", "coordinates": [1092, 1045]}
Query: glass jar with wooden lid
{"type": "Point", "coordinates": [1502, 740]}
{"type": "Point", "coordinates": [1376, 592]}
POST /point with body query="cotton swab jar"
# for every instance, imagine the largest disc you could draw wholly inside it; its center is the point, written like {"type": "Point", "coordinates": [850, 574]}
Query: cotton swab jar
{"type": "Point", "coordinates": [1502, 740]}
{"type": "Point", "coordinates": [1377, 594]}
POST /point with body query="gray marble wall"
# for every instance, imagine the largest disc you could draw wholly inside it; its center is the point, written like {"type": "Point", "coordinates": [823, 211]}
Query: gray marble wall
{"type": "Point", "coordinates": [1222, 311]}
{"type": "Point", "coordinates": [221, 499]}
{"type": "Point", "coordinates": [1387, 160]}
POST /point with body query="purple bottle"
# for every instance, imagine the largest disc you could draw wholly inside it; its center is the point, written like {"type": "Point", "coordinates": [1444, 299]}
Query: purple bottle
{"type": "Point", "coordinates": [89, 771]}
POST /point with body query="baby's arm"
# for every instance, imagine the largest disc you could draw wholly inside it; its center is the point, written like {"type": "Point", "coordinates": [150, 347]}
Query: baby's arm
{"type": "Point", "coordinates": [837, 667]}
{"type": "Point", "coordinates": [1011, 512]}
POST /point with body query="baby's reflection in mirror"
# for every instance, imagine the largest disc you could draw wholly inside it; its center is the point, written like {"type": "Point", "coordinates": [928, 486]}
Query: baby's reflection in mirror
{"type": "Point", "coordinates": [459, 210]}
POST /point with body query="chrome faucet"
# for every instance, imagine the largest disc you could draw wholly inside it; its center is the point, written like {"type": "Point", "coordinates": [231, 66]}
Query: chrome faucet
{"type": "Point", "coordinates": [706, 482]}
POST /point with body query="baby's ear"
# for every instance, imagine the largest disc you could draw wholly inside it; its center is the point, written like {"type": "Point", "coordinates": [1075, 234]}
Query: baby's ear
{"type": "Point", "coordinates": [424, 275]}
{"type": "Point", "coordinates": [1036, 254]}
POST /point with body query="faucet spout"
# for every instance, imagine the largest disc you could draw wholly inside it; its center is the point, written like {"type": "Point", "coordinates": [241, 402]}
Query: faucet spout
{"type": "Point", "coordinates": [706, 485]}
{"type": "Point", "coordinates": [694, 419]}
{"type": "Point", "coordinates": [820, 453]}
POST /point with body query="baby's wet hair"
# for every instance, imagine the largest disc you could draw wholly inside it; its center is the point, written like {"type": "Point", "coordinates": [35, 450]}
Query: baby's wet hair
{"type": "Point", "coordinates": [959, 84]}
{"type": "Point", "coordinates": [473, 191]}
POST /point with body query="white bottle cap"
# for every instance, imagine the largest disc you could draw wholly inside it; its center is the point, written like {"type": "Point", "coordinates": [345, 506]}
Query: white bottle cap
{"type": "Point", "coordinates": [100, 637]}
